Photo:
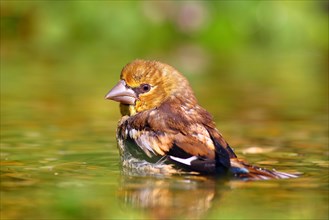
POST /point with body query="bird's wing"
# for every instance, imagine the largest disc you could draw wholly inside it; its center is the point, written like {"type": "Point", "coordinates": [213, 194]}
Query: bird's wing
{"type": "Point", "coordinates": [199, 151]}
{"type": "Point", "coordinates": [189, 145]}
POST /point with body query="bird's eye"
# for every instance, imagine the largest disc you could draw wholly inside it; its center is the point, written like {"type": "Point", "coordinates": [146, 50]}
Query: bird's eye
{"type": "Point", "coordinates": [145, 87]}
{"type": "Point", "coordinates": [142, 89]}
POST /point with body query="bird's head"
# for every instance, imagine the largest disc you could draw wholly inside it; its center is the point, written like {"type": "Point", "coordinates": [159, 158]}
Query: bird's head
{"type": "Point", "coordinates": [145, 85]}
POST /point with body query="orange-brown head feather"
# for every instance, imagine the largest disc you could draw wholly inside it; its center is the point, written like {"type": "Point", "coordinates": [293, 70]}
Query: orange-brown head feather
{"type": "Point", "coordinates": [164, 81]}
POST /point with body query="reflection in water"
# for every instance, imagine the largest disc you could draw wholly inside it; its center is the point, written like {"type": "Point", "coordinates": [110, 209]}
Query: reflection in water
{"type": "Point", "coordinates": [166, 198]}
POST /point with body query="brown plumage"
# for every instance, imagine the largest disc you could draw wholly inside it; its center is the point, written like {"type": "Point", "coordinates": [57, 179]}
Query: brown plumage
{"type": "Point", "coordinates": [164, 130]}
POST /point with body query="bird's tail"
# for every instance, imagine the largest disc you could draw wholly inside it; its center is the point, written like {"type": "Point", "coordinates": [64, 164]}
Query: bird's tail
{"type": "Point", "coordinates": [246, 171]}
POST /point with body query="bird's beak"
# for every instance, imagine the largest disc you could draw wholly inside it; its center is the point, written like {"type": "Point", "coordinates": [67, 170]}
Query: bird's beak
{"type": "Point", "coordinates": [122, 94]}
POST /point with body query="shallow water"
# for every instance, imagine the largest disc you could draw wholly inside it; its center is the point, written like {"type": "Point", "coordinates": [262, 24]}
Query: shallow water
{"type": "Point", "coordinates": [71, 171]}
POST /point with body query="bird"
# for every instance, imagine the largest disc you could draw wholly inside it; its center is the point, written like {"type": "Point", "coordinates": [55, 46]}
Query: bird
{"type": "Point", "coordinates": [164, 131]}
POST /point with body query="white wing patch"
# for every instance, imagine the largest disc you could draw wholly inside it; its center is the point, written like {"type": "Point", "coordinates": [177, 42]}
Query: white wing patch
{"type": "Point", "coordinates": [186, 161]}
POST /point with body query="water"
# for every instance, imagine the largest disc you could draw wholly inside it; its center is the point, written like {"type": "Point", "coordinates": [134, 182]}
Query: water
{"type": "Point", "coordinates": [65, 167]}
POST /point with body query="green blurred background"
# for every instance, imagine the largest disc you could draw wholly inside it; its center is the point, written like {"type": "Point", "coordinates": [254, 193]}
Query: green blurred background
{"type": "Point", "coordinates": [252, 53]}
{"type": "Point", "coordinates": [255, 65]}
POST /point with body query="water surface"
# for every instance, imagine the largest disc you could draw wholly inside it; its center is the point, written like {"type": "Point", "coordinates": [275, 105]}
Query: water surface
{"type": "Point", "coordinates": [71, 171]}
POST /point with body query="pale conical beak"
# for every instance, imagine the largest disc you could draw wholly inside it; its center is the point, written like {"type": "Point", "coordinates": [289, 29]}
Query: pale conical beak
{"type": "Point", "coordinates": [122, 94]}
